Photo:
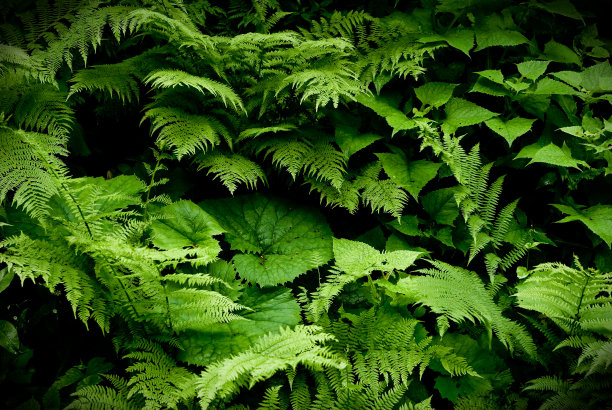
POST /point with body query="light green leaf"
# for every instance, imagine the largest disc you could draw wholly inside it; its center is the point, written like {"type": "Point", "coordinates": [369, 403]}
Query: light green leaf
{"type": "Point", "coordinates": [434, 93]}
{"type": "Point", "coordinates": [486, 86]}
{"type": "Point", "coordinates": [494, 75]}
{"type": "Point", "coordinates": [6, 277]}
{"type": "Point", "coordinates": [550, 154]}
{"type": "Point", "coordinates": [441, 205]}
{"type": "Point", "coordinates": [8, 337]}
{"type": "Point", "coordinates": [572, 78]}
{"type": "Point", "coordinates": [281, 240]}
{"type": "Point", "coordinates": [412, 176]}
{"type": "Point", "coordinates": [460, 113]}
{"type": "Point", "coordinates": [496, 37]}
{"type": "Point", "coordinates": [548, 86]}
{"type": "Point", "coordinates": [350, 141]}
{"type": "Point", "coordinates": [184, 224]}
{"type": "Point", "coordinates": [358, 258]}
{"type": "Point", "coordinates": [597, 218]}
{"type": "Point", "coordinates": [532, 69]}
{"type": "Point", "coordinates": [271, 310]}
{"type": "Point", "coordinates": [511, 129]}
{"type": "Point", "coordinates": [560, 53]}
{"type": "Point", "coordinates": [598, 78]}
{"type": "Point", "coordinates": [461, 39]}
{"type": "Point", "coordinates": [395, 118]}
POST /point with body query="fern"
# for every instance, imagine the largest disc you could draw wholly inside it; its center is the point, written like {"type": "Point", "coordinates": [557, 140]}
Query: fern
{"type": "Point", "coordinates": [268, 355]}
{"type": "Point", "coordinates": [232, 169]}
{"type": "Point", "coordinates": [460, 295]}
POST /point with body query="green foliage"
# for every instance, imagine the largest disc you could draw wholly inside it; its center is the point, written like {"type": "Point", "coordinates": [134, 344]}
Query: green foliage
{"type": "Point", "coordinates": [266, 299]}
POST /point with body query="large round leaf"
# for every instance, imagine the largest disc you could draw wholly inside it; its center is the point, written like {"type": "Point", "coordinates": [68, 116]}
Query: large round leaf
{"type": "Point", "coordinates": [184, 224]}
{"type": "Point", "coordinates": [280, 241]}
{"type": "Point", "coordinates": [272, 309]}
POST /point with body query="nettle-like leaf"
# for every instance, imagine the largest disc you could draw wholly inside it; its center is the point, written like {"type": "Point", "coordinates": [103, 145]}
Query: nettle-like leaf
{"type": "Point", "coordinates": [434, 93]}
{"type": "Point", "coordinates": [353, 261]}
{"type": "Point", "coordinates": [410, 175]}
{"type": "Point", "coordinates": [280, 241]}
{"type": "Point", "coordinates": [395, 118]}
{"type": "Point", "coordinates": [269, 311]}
{"type": "Point", "coordinates": [461, 39]}
{"type": "Point", "coordinates": [9, 339]}
{"type": "Point", "coordinates": [511, 129]}
{"type": "Point", "coordinates": [532, 70]}
{"type": "Point", "coordinates": [461, 113]}
{"type": "Point", "coordinates": [597, 218]}
{"type": "Point", "coordinates": [184, 224]}
{"type": "Point", "coordinates": [550, 154]}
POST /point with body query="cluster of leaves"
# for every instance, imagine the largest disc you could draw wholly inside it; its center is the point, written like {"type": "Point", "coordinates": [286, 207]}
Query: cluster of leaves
{"type": "Point", "coordinates": [326, 208]}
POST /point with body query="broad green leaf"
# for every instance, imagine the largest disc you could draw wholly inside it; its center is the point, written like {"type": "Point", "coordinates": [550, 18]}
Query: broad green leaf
{"type": "Point", "coordinates": [496, 37]}
{"type": "Point", "coordinates": [511, 129]}
{"type": "Point", "coordinates": [597, 218]}
{"type": "Point", "coordinates": [550, 154]}
{"type": "Point", "coordinates": [434, 93]}
{"type": "Point", "coordinates": [598, 78]}
{"type": "Point", "coordinates": [485, 86]}
{"type": "Point", "coordinates": [410, 175]}
{"type": "Point", "coordinates": [408, 225]}
{"type": "Point", "coordinates": [350, 141]}
{"type": "Point", "coordinates": [532, 69]}
{"type": "Point", "coordinates": [8, 337]}
{"type": "Point", "coordinates": [548, 86]}
{"type": "Point", "coordinates": [281, 241]}
{"type": "Point", "coordinates": [6, 277]}
{"type": "Point", "coordinates": [560, 53]}
{"type": "Point", "coordinates": [460, 113]}
{"type": "Point", "coordinates": [461, 39]}
{"type": "Point", "coordinates": [184, 224]}
{"type": "Point", "coordinates": [572, 78]}
{"type": "Point", "coordinates": [441, 205]}
{"type": "Point", "coordinates": [271, 310]}
{"type": "Point", "coordinates": [561, 7]}
{"type": "Point", "coordinates": [494, 75]}
{"type": "Point", "coordinates": [395, 118]}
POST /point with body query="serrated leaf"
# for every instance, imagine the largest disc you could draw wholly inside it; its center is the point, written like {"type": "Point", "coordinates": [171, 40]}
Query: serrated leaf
{"type": "Point", "coordinates": [493, 75]}
{"type": "Point", "coordinates": [350, 141]}
{"type": "Point", "coordinates": [597, 218]}
{"type": "Point", "coordinates": [485, 86]}
{"type": "Point", "coordinates": [550, 154]}
{"type": "Point", "coordinates": [410, 175]}
{"type": "Point", "coordinates": [560, 53]}
{"type": "Point", "coordinates": [184, 224]}
{"type": "Point", "coordinates": [395, 118]}
{"type": "Point", "coordinates": [9, 339]}
{"type": "Point", "coordinates": [572, 78]}
{"type": "Point", "coordinates": [460, 113]}
{"type": "Point", "coordinates": [434, 93]}
{"type": "Point", "coordinates": [271, 310]}
{"type": "Point", "coordinates": [461, 39]}
{"type": "Point", "coordinates": [511, 129]}
{"type": "Point", "coordinates": [497, 37]}
{"type": "Point", "coordinates": [408, 225]}
{"type": "Point", "coordinates": [359, 259]}
{"type": "Point", "coordinates": [548, 86]}
{"type": "Point", "coordinates": [281, 241]}
{"type": "Point", "coordinates": [598, 78]}
{"type": "Point", "coordinates": [561, 7]}
{"type": "Point", "coordinates": [441, 205]}
{"type": "Point", "coordinates": [532, 69]}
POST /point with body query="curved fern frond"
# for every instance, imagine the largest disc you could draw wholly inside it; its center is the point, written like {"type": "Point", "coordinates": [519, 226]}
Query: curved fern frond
{"type": "Point", "coordinates": [232, 169]}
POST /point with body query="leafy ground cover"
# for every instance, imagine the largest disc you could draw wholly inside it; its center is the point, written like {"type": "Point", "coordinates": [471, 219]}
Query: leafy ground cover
{"type": "Point", "coordinates": [305, 205]}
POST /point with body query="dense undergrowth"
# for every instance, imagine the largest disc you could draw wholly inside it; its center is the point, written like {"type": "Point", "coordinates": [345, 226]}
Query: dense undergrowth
{"type": "Point", "coordinates": [305, 205]}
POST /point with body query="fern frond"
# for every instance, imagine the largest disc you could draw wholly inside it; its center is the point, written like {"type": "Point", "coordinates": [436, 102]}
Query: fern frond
{"type": "Point", "coordinates": [380, 194]}
{"type": "Point", "coordinates": [174, 78]}
{"type": "Point", "coordinates": [30, 167]}
{"type": "Point", "coordinates": [269, 354]}
{"type": "Point", "coordinates": [232, 169]}
{"type": "Point", "coordinates": [185, 133]}
{"type": "Point", "coordinates": [42, 108]}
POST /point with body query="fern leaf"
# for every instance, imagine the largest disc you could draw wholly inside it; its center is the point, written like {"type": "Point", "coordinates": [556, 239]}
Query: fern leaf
{"type": "Point", "coordinates": [232, 169]}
